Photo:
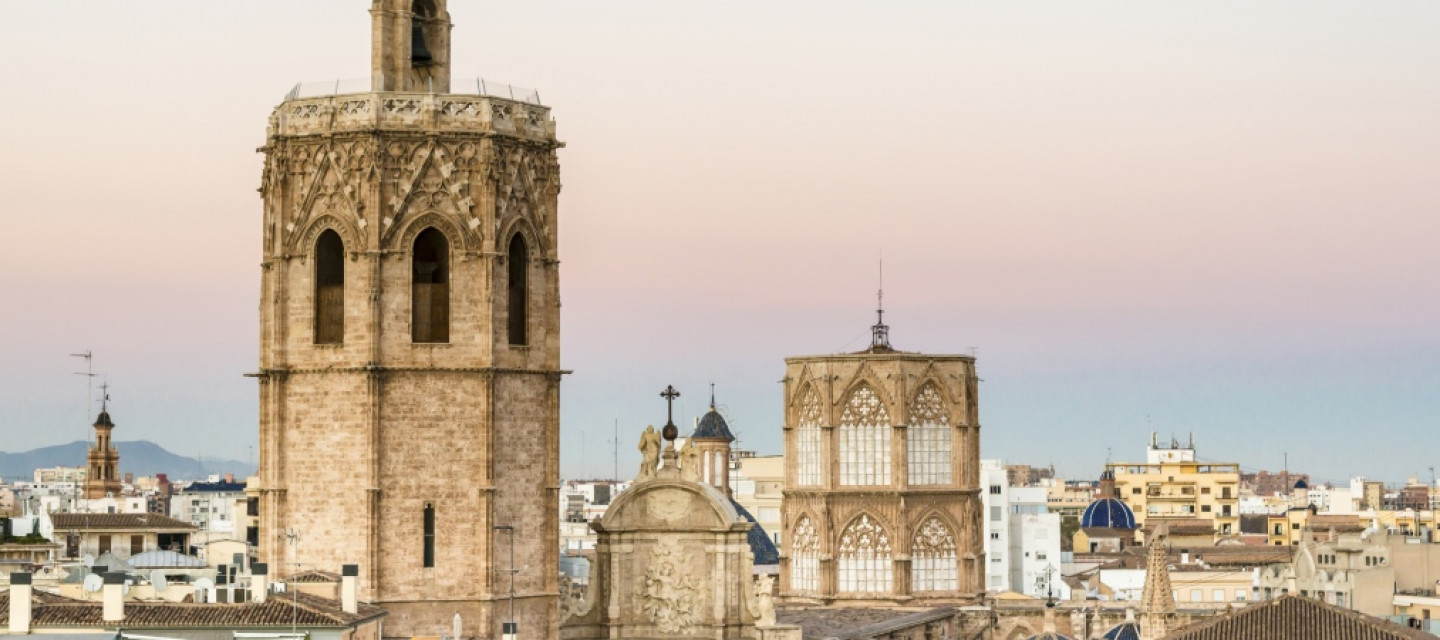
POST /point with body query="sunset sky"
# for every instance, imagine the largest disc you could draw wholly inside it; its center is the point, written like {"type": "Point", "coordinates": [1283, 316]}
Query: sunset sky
{"type": "Point", "coordinates": [1209, 217]}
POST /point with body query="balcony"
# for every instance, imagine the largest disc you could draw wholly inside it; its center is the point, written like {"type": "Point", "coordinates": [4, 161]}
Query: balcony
{"type": "Point", "coordinates": [472, 106]}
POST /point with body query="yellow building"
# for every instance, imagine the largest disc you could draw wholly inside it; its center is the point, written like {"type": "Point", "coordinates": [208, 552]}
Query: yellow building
{"type": "Point", "coordinates": [1172, 484]}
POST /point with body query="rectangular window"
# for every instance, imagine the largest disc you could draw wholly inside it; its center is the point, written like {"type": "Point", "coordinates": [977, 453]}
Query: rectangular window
{"type": "Point", "coordinates": [252, 507]}
{"type": "Point", "coordinates": [1205, 508]}
{"type": "Point", "coordinates": [995, 514]}
{"type": "Point", "coordinates": [1196, 595]}
{"type": "Point", "coordinates": [104, 544]}
{"type": "Point", "coordinates": [137, 545]}
{"type": "Point", "coordinates": [1240, 595]}
{"type": "Point", "coordinates": [1218, 595]}
{"type": "Point", "coordinates": [1135, 491]}
{"type": "Point", "coordinates": [429, 553]}
{"type": "Point", "coordinates": [994, 489]}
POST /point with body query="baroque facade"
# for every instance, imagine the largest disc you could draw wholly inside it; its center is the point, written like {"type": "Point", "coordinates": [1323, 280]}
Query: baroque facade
{"type": "Point", "coordinates": [409, 348]}
{"type": "Point", "coordinates": [882, 500]}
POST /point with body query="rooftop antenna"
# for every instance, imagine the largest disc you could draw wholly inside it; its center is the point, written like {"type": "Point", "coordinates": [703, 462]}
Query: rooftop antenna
{"type": "Point", "coordinates": [880, 332]}
{"type": "Point", "coordinates": [712, 398]}
{"type": "Point", "coordinates": [616, 452]}
{"type": "Point", "coordinates": [89, 374]}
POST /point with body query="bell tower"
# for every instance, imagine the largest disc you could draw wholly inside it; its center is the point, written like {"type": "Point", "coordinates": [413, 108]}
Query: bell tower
{"type": "Point", "coordinates": [409, 374]}
{"type": "Point", "coordinates": [410, 47]}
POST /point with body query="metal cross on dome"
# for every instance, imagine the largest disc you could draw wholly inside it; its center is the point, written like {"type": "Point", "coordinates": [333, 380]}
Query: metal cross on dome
{"type": "Point", "coordinates": [671, 431]}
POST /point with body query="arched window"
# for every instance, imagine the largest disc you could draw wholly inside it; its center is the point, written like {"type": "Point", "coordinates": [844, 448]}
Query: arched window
{"type": "Point", "coordinates": [329, 288]}
{"type": "Point", "coordinates": [423, 11]}
{"type": "Point", "coordinates": [928, 440]}
{"type": "Point", "coordinates": [519, 289]}
{"type": "Point", "coordinates": [804, 556]}
{"type": "Point", "coordinates": [807, 441]}
{"type": "Point", "coordinates": [864, 440]}
{"type": "Point", "coordinates": [864, 563]}
{"type": "Point", "coordinates": [430, 294]}
{"type": "Point", "coordinates": [933, 565]}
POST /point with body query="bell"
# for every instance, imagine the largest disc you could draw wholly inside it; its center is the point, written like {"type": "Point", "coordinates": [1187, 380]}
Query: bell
{"type": "Point", "coordinates": [419, 54]}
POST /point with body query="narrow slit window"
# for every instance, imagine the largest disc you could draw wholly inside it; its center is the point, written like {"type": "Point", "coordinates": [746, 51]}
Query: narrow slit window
{"type": "Point", "coordinates": [430, 297]}
{"type": "Point", "coordinates": [519, 290]}
{"type": "Point", "coordinates": [429, 554]}
{"type": "Point", "coordinates": [329, 289]}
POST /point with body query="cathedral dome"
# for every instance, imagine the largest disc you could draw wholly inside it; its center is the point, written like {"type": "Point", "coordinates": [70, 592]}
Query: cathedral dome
{"type": "Point", "coordinates": [712, 427]}
{"type": "Point", "coordinates": [1051, 635]}
{"type": "Point", "coordinates": [1108, 513]}
{"type": "Point", "coordinates": [1123, 631]}
{"type": "Point", "coordinates": [760, 545]}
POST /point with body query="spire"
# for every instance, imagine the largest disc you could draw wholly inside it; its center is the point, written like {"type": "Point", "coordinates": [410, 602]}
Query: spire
{"type": "Point", "coordinates": [712, 396]}
{"type": "Point", "coordinates": [880, 332]}
{"type": "Point", "coordinates": [1157, 601]}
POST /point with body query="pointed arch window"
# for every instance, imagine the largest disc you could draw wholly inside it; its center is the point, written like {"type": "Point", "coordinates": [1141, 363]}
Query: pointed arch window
{"type": "Point", "coordinates": [430, 292]}
{"type": "Point", "coordinates": [933, 564]}
{"type": "Point", "coordinates": [329, 288]}
{"type": "Point", "coordinates": [865, 564]}
{"type": "Point", "coordinates": [518, 291]}
{"type": "Point", "coordinates": [929, 439]}
{"type": "Point", "coordinates": [864, 440]}
{"type": "Point", "coordinates": [807, 441]}
{"type": "Point", "coordinates": [804, 556]}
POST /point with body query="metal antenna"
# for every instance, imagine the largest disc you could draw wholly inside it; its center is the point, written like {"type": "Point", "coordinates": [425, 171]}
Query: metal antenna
{"type": "Point", "coordinates": [89, 374]}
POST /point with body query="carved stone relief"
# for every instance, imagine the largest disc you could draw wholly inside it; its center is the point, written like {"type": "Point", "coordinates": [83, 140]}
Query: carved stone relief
{"type": "Point", "coordinates": [671, 597]}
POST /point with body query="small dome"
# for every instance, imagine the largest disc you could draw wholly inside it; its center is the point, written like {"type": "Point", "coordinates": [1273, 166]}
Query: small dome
{"type": "Point", "coordinates": [1302, 484]}
{"type": "Point", "coordinates": [713, 427]}
{"type": "Point", "coordinates": [1123, 631]}
{"type": "Point", "coordinates": [1108, 513]}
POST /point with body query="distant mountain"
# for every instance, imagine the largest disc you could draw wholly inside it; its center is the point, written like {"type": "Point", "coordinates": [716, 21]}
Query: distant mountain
{"type": "Point", "coordinates": [142, 458]}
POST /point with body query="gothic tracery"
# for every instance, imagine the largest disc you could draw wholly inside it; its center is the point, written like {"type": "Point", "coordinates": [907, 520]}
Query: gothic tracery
{"type": "Point", "coordinates": [928, 441]}
{"type": "Point", "coordinates": [807, 441]}
{"type": "Point", "coordinates": [864, 440]}
{"type": "Point", "coordinates": [865, 564]}
{"type": "Point", "coordinates": [805, 556]}
{"type": "Point", "coordinates": [932, 558]}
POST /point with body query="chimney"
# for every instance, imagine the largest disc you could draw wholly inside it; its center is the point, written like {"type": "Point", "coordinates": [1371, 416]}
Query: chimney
{"type": "Point", "coordinates": [114, 597]}
{"type": "Point", "coordinates": [349, 590]}
{"type": "Point", "coordinates": [259, 581]}
{"type": "Point", "coordinates": [20, 591]}
{"type": "Point", "coordinates": [230, 478]}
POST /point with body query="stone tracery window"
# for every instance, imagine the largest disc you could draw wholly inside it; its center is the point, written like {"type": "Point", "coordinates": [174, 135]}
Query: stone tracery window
{"type": "Point", "coordinates": [864, 440]}
{"type": "Point", "coordinates": [864, 561]}
{"type": "Point", "coordinates": [805, 556]}
{"type": "Point", "coordinates": [929, 438]}
{"type": "Point", "coordinates": [933, 564]}
{"type": "Point", "coordinates": [807, 441]}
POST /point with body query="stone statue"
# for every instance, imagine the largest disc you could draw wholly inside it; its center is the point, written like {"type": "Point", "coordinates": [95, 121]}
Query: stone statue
{"type": "Point", "coordinates": [649, 453]}
{"type": "Point", "coordinates": [567, 600]}
{"type": "Point", "coordinates": [765, 601]}
{"type": "Point", "coordinates": [689, 462]}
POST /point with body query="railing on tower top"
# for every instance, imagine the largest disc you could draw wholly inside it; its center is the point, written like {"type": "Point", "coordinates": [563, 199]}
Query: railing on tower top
{"type": "Point", "coordinates": [458, 86]}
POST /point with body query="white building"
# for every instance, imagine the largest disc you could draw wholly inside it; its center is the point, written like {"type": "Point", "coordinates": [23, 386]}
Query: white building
{"type": "Point", "coordinates": [209, 506]}
{"type": "Point", "coordinates": [1022, 539]}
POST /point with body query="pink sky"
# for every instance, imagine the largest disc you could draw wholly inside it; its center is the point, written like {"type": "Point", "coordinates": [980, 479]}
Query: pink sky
{"type": "Point", "coordinates": [1222, 215]}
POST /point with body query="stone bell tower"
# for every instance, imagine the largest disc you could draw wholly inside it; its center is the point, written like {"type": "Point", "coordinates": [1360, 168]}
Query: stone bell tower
{"type": "Point", "coordinates": [409, 337]}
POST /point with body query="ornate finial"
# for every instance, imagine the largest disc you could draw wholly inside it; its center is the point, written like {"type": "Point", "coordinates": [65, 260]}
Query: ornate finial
{"type": "Point", "coordinates": [671, 431]}
{"type": "Point", "coordinates": [880, 332]}
{"type": "Point", "coordinates": [104, 395]}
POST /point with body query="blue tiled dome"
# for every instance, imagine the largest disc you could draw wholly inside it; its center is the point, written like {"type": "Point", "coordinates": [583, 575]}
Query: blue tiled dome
{"type": "Point", "coordinates": [1108, 513]}
{"type": "Point", "coordinates": [712, 427]}
{"type": "Point", "coordinates": [1123, 631]}
{"type": "Point", "coordinates": [1302, 484]}
{"type": "Point", "coordinates": [1051, 635]}
{"type": "Point", "coordinates": [760, 545]}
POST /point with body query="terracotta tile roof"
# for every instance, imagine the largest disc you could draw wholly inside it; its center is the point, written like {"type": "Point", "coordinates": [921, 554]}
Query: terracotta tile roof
{"type": "Point", "coordinates": [37, 598]}
{"type": "Point", "coordinates": [821, 623]}
{"type": "Point", "coordinates": [308, 611]}
{"type": "Point", "coordinates": [104, 521]}
{"type": "Point", "coordinates": [316, 577]}
{"type": "Point", "coordinates": [1297, 618]}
